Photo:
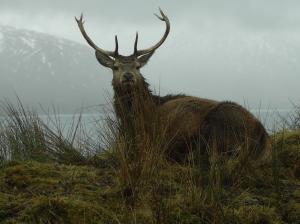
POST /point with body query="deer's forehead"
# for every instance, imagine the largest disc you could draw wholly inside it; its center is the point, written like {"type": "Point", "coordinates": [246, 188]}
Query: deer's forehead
{"type": "Point", "coordinates": [124, 59]}
{"type": "Point", "coordinates": [126, 63]}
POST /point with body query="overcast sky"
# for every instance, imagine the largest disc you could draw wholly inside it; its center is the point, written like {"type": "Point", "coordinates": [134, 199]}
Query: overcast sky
{"type": "Point", "coordinates": [240, 50]}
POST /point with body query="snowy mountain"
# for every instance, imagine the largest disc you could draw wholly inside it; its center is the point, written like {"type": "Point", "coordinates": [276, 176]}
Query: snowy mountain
{"type": "Point", "coordinates": [43, 69]}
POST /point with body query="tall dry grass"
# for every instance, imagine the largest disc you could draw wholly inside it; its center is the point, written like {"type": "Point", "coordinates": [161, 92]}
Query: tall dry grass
{"type": "Point", "coordinates": [25, 136]}
{"type": "Point", "coordinates": [137, 148]}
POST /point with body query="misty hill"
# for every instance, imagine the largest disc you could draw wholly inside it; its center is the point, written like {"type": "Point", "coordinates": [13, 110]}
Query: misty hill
{"type": "Point", "coordinates": [44, 69]}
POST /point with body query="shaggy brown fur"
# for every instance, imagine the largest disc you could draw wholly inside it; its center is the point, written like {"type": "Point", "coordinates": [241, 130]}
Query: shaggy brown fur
{"type": "Point", "coordinates": [226, 126]}
{"type": "Point", "coordinates": [195, 123]}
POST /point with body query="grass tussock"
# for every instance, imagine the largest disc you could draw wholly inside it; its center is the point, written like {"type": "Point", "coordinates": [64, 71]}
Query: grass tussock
{"type": "Point", "coordinates": [25, 136]}
{"type": "Point", "coordinates": [48, 176]}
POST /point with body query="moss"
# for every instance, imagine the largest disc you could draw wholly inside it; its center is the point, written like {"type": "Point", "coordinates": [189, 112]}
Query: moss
{"type": "Point", "coordinates": [292, 214]}
{"type": "Point", "coordinates": [290, 156]}
{"type": "Point", "coordinates": [286, 137]}
{"type": "Point", "coordinates": [287, 145]}
{"type": "Point", "coordinates": [256, 214]}
{"type": "Point", "coordinates": [51, 191]}
{"type": "Point", "coordinates": [16, 177]}
{"type": "Point", "coordinates": [296, 194]}
{"type": "Point", "coordinates": [8, 207]}
{"type": "Point", "coordinates": [65, 210]}
{"type": "Point", "coordinates": [33, 192]}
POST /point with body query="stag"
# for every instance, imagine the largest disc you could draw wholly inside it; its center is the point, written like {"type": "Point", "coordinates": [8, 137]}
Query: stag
{"type": "Point", "coordinates": [226, 125]}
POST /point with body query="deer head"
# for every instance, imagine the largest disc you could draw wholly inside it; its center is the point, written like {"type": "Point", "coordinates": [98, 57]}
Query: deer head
{"type": "Point", "coordinates": [126, 69]}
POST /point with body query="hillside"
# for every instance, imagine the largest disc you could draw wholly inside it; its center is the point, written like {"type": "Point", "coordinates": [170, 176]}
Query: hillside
{"type": "Point", "coordinates": [33, 192]}
{"type": "Point", "coordinates": [48, 178]}
{"type": "Point", "coordinates": [45, 69]}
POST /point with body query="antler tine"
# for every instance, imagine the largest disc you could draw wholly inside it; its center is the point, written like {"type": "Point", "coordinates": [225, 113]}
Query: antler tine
{"type": "Point", "coordinates": [162, 15]}
{"type": "Point", "coordinates": [80, 23]}
{"type": "Point", "coordinates": [135, 44]}
{"type": "Point", "coordinates": [164, 18]}
{"type": "Point", "coordinates": [116, 53]}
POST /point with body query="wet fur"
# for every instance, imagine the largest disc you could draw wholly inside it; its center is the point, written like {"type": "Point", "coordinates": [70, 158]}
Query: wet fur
{"type": "Point", "coordinates": [224, 125]}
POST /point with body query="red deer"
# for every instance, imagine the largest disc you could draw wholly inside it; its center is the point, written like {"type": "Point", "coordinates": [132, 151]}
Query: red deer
{"type": "Point", "coordinates": [227, 125]}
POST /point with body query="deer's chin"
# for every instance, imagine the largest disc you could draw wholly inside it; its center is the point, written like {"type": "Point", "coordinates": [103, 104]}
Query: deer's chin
{"type": "Point", "coordinates": [128, 83]}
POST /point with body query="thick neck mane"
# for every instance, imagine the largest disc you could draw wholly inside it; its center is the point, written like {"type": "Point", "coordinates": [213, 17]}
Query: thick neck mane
{"type": "Point", "coordinates": [127, 98]}
{"type": "Point", "coordinates": [137, 104]}
{"type": "Point", "coordinates": [140, 95]}
{"type": "Point", "coordinates": [137, 108]}
{"type": "Point", "coordinates": [133, 104]}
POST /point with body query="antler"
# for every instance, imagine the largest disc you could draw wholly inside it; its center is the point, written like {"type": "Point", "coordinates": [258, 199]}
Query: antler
{"type": "Point", "coordinates": [80, 23]}
{"type": "Point", "coordinates": [153, 48]}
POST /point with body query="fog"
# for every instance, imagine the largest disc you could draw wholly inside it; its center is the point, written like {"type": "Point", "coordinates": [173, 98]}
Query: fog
{"type": "Point", "coordinates": [239, 50]}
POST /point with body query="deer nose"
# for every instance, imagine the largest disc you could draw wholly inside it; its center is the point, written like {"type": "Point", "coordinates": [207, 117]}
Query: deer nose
{"type": "Point", "coordinates": [128, 76]}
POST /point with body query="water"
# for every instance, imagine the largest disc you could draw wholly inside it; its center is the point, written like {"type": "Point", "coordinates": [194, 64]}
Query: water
{"type": "Point", "coordinates": [65, 121]}
{"type": "Point", "coordinates": [93, 123]}
{"type": "Point", "coordinates": [90, 124]}
{"type": "Point", "coordinates": [271, 119]}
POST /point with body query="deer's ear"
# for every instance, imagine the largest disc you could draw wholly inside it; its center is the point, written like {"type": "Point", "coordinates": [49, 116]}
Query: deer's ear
{"type": "Point", "coordinates": [145, 58]}
{"type": "Point", "coordinates": [104, 60]}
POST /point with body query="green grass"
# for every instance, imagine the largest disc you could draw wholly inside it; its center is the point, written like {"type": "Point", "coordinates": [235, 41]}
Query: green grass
{"type": "Point", "coordinates": [48, 178]}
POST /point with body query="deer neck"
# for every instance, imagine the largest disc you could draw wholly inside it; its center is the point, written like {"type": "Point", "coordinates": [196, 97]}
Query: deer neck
{"type": "Point", "coordinates": [128, 102]}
